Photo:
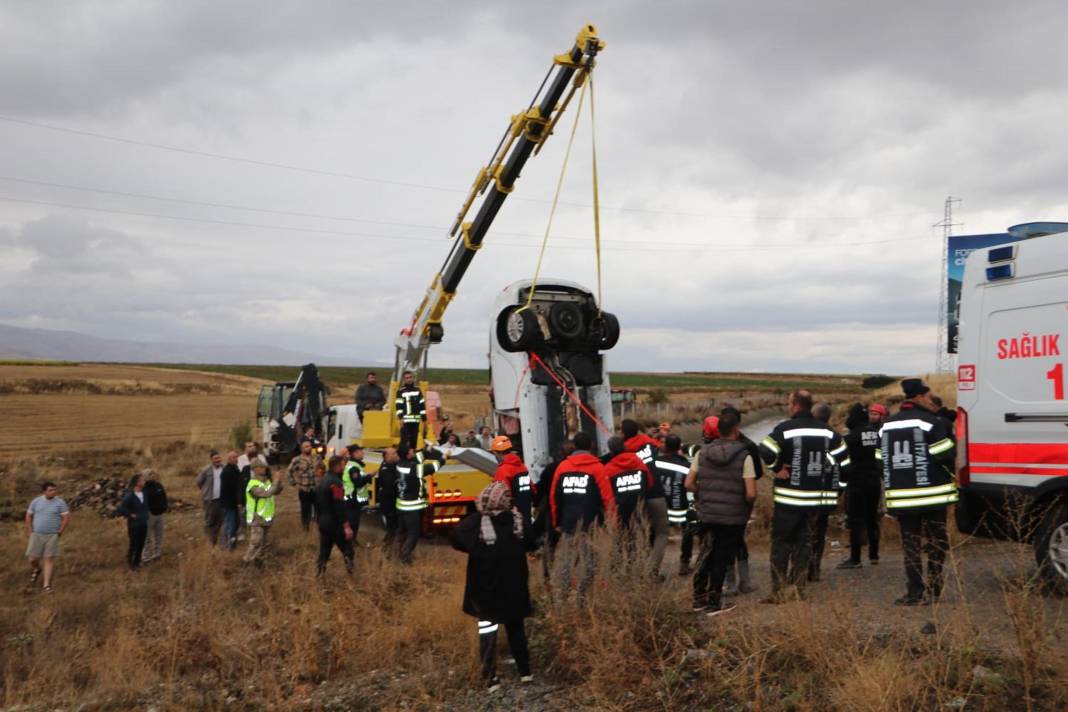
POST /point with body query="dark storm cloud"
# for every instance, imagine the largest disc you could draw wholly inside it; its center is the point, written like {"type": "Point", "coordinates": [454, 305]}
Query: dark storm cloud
{"type": "Point", "coordinates": [785, 137]}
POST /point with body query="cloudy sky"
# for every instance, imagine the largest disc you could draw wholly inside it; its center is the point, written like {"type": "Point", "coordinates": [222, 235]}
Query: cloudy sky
{"type": "Point", "coordinates": [770, 171]}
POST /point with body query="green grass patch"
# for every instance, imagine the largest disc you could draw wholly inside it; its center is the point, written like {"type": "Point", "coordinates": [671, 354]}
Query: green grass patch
{"type": "Point", "coordinates": [466, 376]}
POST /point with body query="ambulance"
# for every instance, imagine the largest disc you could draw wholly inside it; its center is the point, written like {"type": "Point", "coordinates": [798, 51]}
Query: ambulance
{"type": "Point", "coordinates": [1012, 422]}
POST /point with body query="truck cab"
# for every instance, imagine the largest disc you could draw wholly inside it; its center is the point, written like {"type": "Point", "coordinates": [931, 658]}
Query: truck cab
{"type": "Point", "coordinates": [1012, 423]}
{"type": "Point", "coordinates": [277, 437]}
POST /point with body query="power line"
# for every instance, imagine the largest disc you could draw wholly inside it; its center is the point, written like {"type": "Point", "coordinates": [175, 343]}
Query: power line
{"type": "Point", "coordinates": [644, 247]}
{"type": "Point", "coordinates": [424, 186]}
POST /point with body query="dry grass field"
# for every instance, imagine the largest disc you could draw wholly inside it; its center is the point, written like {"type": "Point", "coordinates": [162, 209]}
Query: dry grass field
{"type": "Point", "coordinates": [197, 630]}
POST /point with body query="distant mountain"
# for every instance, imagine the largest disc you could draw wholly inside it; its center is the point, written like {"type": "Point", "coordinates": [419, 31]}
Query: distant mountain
{"type": "Point", "coordinates": [19, 343]}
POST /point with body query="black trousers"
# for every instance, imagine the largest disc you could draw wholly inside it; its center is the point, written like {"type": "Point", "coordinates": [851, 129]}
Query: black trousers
{"type": "Point", "coordinates": [719, 545]}
{"type": "Point", "coordinates": [689, 533]}
{"type": "Point", "coordinates": [137, 533]}
{"type": "Point", "coordinates": [409, 434]}
{"type": "Point", "coordinates": [819, 540]}
{"type": "Point", "coordinates": [328, 539]}
{"type": "Point", "coordinates": [390, 523]}
{"type": "Point", "coordinates": [792, 530]}
{"type": "Point", "coordinates": [862, 506]}
{"type": "Point", "coordinates": [353, 515]}
{"type": "Point", "coordinates": [517, 644]}
{"type": "Point", "coordinates": [307, 507]}
{"type": "Point", "coordinates": [409, 529]}
{"type": "Point", "coordinates": [924, 532]}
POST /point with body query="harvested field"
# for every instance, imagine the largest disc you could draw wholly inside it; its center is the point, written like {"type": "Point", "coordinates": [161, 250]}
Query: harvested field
{"type": "Point", "coordinates": [104, 406]}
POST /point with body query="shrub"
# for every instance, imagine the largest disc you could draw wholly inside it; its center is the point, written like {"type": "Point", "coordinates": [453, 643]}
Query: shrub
{"type": "Point", "coordinates": [241, 434]}
{"type": "Point", "coordinates": [877, 381]}
{"type": "Point", "coordinates": [658, 396]}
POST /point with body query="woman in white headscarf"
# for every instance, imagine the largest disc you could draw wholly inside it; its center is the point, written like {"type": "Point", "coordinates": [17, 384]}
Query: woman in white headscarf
{"type": "Point", "coordinates": [496, 592]}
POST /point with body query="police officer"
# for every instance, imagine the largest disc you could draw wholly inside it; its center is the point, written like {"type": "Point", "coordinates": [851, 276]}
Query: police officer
{"type": "Point", "coordinates": [865, 484]}
{"type": "Point", "coordinates": [410, 407]}
{"type": "Point", "coordinates": [917, 455]}
{"type": "Point", "coordinates": [797, 451]}
{"type": "Point", "coordinates": [357, 487]}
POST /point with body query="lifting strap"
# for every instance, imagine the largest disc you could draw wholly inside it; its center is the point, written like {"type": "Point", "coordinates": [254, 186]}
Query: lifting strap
{"type": "Point", "coordinates": [536, 360]}
{"type": "Point", "coordinates": [596, 202]}
{"type": "Point", "coordinates": [556, 198]}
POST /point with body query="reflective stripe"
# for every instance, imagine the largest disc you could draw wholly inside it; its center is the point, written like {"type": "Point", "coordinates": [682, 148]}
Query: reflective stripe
{"type": "Point", "coordinates": [846, 462]}
{"type": "Point", "coordinates": [486, 627]}
{"type": "Point", "coordinates": [808, 433]}
{"type": "Point", "coordinates": [838, 450]}
{"type": "Point", "coordinates": [878, 453]}
{"type": "Point", "coordinates": [770, 444]}
{"type": "Point", "coordinates": [677, 516]}
{"type": "Point", "coordinates": [798, 502]}
{"type": "Point", "coordinates": [798, 493]}
{"type": "Point", "coordinates": [672, 466]}
{"type": "Point", "coordinates": [906, 492]}
{"type": "Point", "coordinates": [410, 505]}
{"type": "Point", "coordinates": [941, 446]}
{"type": "Point", "coordinates": [911, 502]}
{"type": "Point", "coordinates": [905, 424]}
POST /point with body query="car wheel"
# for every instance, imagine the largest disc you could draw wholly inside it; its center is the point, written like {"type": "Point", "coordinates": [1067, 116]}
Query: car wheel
{"type": "Point", "coordinates": [604, 331]}
{"type": "Point", "coordinates": [1051, 548]}
{"type": "Point", "coordinates": [566, 321]}
{"type": "Point", "coordinates": [518, 330]}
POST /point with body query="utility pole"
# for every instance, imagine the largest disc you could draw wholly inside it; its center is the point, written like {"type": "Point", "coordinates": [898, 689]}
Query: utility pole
{"type": "Point", "coordinates": [943, 359]}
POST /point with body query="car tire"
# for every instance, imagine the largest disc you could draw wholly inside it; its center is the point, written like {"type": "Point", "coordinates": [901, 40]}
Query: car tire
{"type": "Point", "coordinates": [566, 322]}
{"type": "Point", "coordinates": [518, 330]}
{"type": "Point", "coordinates": [604, 331]}
{"type": "Point", "coordinates": [1051, 547]}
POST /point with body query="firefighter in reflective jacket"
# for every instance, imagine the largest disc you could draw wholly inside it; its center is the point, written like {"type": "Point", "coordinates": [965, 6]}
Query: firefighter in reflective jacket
{"type": "Point", "coordinates": [579, 497]}
{"type": "Point", "coordinates": [917, 455]}
{"type": "Point", "coordinates": [670, 467]}
{"type": "Point", "coordinates": [410, 407]}
{"type": "Point", "coordinates": [411, 500]}
{"type": "Point", "coordinates": [357, 488]}
{"type": "Point", "coordinates": [798, 452]}
{"type": "Point", "coordinates": [513, 473]}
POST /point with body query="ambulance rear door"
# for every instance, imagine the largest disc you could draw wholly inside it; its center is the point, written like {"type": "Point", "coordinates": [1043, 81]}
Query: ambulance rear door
{"type": "Point", "coordinates": [1014, 363]}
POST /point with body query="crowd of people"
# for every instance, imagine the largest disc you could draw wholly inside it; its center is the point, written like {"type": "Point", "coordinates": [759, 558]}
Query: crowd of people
{"type": "Point", "coordinates": [644, 487]}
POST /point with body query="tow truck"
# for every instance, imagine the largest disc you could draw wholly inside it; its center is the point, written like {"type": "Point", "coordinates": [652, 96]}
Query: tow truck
{"type": "Point", "coordinates": [1012, 416]}
{"type": "Point", "coordinates": [548, 377]}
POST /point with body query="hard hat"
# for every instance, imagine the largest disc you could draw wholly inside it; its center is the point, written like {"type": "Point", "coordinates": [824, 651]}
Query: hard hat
{"type": "Point", "coordinates": [710, 428]}
{"type": "Point", "coordinates": [501, 443]}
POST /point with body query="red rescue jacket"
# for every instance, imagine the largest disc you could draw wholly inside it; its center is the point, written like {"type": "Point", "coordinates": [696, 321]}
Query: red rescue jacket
{"type": "Point", "coordinates": [580, 493]}
{"type": "Point", "coordinates": [630, 482]}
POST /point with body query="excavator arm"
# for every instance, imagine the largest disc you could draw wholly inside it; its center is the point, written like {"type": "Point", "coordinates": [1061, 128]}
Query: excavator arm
{"type": "Point", "coordinates": [496, 180]}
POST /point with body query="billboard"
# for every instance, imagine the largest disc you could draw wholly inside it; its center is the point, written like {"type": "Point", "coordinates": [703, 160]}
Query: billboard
{"type": "Point", "coordinates": [959, 248]}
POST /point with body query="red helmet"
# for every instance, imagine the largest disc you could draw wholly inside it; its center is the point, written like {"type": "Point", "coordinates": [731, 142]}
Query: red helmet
{"type": "Point", "coordinates": [710, 428]}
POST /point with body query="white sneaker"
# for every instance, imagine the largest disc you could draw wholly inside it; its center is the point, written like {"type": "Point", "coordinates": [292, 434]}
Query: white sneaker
{"type": "Point", "coordinates": [526, 678]}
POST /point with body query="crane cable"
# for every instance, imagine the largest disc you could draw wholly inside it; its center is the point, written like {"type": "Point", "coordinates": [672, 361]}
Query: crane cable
{"type": "Point", "coordinates": [596, 202]}
{"type": "Point", "coordinates": [556, 198]}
